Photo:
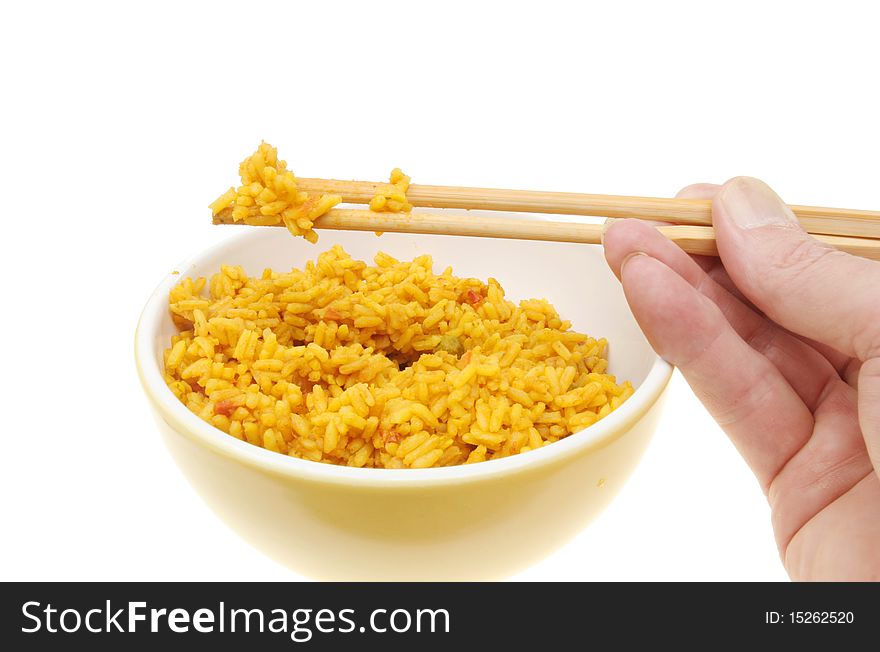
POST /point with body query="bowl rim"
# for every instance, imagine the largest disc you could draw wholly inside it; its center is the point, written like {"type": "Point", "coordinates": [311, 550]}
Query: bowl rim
{"type": "Point", "coordinates": [188, 424]}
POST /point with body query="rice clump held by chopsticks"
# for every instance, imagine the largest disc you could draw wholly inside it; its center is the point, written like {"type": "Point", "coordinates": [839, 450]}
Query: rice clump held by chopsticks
{"type": "Point", "coordinates": [268, 196]}
{"type": "Point", "coordinates": [391, 197]}
{"type": "Point", "coordinates": [388, 366]}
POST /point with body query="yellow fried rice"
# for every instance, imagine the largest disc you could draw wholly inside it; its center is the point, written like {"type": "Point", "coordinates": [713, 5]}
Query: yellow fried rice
{"type": "Point", "coordinates": [387, 365]}
{"type": "Point", "coordinates": [391, 197]}
{"type": "Point", "coordinates": [268, 196]}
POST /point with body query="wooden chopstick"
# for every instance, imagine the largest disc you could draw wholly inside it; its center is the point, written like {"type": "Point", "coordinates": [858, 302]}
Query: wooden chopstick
{"type": "Point", "coordinates": [692, 239]}
{"type": "Point", "coordinates": [829, 221]}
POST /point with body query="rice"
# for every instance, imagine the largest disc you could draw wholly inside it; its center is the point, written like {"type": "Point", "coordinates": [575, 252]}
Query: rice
{"type": "Point", "coordinates": [268, 196]}
{"type": "Point", "coordinates": [386, 366]}
{"type": "Point", "coordinates": [391, 197]}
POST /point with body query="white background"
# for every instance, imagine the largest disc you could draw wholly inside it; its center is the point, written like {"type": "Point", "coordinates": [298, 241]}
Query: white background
{"type": "Point", "coordinates": [120, 123]}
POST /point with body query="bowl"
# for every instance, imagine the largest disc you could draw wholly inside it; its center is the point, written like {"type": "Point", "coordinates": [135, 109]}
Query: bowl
{"type": "Point", "coordinates": [473, 522]}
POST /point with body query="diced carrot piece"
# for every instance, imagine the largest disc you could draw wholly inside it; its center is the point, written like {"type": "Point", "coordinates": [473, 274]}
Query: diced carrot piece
{"type": "Point", "coordinates": [225, 407]}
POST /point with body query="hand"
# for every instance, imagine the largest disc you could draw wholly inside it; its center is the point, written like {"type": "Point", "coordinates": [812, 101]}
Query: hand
{"type": "Point", "coordinates": [780, 340]}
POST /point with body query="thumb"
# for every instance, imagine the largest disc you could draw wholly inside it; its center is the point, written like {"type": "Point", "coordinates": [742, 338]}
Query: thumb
{"type": "Point", "coordinates": [803, 285]}
{"type": "Point", "coordinates": [806, 286]}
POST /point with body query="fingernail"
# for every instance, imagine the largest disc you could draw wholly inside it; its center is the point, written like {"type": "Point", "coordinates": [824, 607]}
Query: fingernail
{"type": "Point", "coordinates": [751, 203]}
{"type": "Point", "coordinates": [629, 257]}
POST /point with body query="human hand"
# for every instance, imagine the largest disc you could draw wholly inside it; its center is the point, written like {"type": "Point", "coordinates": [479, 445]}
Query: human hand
{"type": "Point", "coordinates": [780, 340]}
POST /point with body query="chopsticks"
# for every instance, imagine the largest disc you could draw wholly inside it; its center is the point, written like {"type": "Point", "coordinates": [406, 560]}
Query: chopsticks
{"type": "Point", "coordinates": [854, 231]}
{"type": "Point", "coordinates": [692, 239]}
{"type": "Point", "coordinates": [696, 212]}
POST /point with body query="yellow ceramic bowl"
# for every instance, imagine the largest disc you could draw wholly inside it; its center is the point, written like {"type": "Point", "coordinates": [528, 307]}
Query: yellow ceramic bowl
{"type": "Point", "coordinates": [478, 521]}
